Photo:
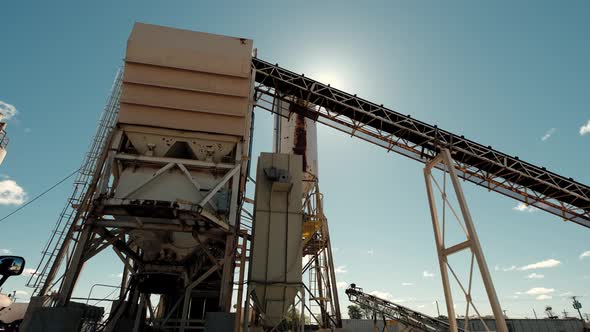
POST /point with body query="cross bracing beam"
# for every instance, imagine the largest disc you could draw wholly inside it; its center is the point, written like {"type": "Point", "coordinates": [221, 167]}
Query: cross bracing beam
{"type": "Point", "coordinates": [479, 164]}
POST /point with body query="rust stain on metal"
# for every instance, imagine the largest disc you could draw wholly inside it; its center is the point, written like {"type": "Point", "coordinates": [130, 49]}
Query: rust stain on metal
{"type": "Point", "coordinates": [300, 139]}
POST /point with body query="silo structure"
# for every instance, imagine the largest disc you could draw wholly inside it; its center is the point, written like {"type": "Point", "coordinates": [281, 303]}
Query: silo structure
{"type": "Point", "coordinates": [296, 134]}
{"type": "Point", "coordinates": [167, 190]}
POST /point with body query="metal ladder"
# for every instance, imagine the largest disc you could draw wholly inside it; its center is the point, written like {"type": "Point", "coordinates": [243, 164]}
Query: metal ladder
{"type": "Point", "coordinates": [59, 234]}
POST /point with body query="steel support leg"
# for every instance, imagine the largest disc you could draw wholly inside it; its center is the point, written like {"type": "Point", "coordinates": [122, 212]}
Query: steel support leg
{"type": "Point", "coordinates": [471, 243]}
{"type": "Point", "coordinates": [73, 269]}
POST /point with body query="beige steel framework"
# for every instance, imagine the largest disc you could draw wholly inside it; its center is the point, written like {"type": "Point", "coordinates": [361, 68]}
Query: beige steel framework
{"type": "Point", "coordinates": [323, 304]}
{"type": "Point", "coordinates": [471, 243]}
{"type": "Point", "coordinates": [102, 220]}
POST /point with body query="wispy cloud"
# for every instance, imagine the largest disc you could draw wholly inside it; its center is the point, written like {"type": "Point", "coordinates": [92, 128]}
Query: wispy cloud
{"type": "Point", "coordinates": [585, 254]}
{"type": "Point", "coordinates": [522, 207]}
{"type": "Point", "coordinates": [7, 110]}
{"type": "Point", "coordinates": [407, 284]}
{"type": "Point", "coordinates": [427, 274]}
{"type": "Point", "coordinates": [116, 275]}
{"type": "Point", "coordinates": [11, 193]}
{"type": "Point", "coordinates": [566, 294]}
{"type": "Point", "coordinates": [341, 269]}
{"type": "Point", "coordinates": [549, 263]}
{"type": "Point", "coordinates": [548, 134]}
{"type": "Point", "coordinates": [535, 276]}
{"type": "Point", "coordinates": [510, 268]}
{"type": "Point", "coordinates": [585, 129]}
{"type": "Point", "coordinates": [540, 291]}
{"type": "Point", "coordinates": [543, 297]}
{"type": "Point", "coordinates": [5, 251]}
{"type": "Point", "coordinates": [21, 292]}
{"type": "Point", "coordinates": [370, 252]}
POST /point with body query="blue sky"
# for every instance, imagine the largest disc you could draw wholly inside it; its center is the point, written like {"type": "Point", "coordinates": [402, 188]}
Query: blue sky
{"type": "Point", "coordinates": [501, 73]}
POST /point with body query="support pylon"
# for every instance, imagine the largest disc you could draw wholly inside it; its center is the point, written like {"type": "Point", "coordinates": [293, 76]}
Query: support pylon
{"type": "Point", "coordinates": [444, 161]}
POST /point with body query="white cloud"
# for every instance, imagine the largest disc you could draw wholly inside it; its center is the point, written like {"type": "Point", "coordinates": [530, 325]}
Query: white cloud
{"type": "Point", "coordinates": [341, 269]}
{"type": "Point", "coordinates": [566, 294]}
{"type": "Point", "coordinates": [370, 252]}
{"type": "Point", "coordinates": [427, 274]}
{"type": "Point", "coordinates": [543, 297]}
{"type": "Point", "coordinates": [548, 134]}
{"type": "Point", "coordinates": [511, 268]}
{"type": "Point", "coordinates": [382, 295]}
{"type": "Point", "coordinates": [118, 275]}
{"type": "Point", "coordinates": [585, 129]}
{"type": "Point", "coordinates": [342, 284]}
{"type": "Point", "coordinates": [409, 299]}
{"type": "Point", "coordinates": [540, 291]}
{"type": "Point", "coordinates": [535, 276]}
{"type": "Point", "coordinates": [585, 254]}
{"type": "Point", "coordinates": [7, 110]}
{"type": "Point", "coordinates": [21, 292]}
{"type": "Point", "coordinates": [29, 272]}
{"type": "Point", "coordinates": [11, 193]}
{"type": "Point", "coordinates": [522, 207]}
{"type": "Point", "coordinates": [5, 251]}
{"type": "Point", "coordinates": [421, 306]}
{"type": "Point", "coordinates": [407, 284]}
{"type": "Point", "coordinates": [541, 265]}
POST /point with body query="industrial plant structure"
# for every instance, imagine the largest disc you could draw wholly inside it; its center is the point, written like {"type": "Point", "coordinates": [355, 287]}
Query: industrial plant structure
{"type": "Point", "coordinates": [3, 139]}
{"type": "Point", "coordinates": [164, 186]}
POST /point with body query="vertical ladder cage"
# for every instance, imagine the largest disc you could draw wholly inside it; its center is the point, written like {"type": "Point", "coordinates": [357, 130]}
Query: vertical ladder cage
{"type": "Point", "coordinates": [60, 235]}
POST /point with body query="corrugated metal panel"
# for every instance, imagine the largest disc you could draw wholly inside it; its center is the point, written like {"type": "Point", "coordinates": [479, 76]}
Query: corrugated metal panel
{"type": "Point", "coordinates": [183, 49]}
{"type": "Point", "coordinates": [530, 325]}
{"type": "Point", "coordinates": [514, 325]}
{"type": "Point", "coordinates": [367, 325]}
{"type": "Point", "coordinates": [187, 80]}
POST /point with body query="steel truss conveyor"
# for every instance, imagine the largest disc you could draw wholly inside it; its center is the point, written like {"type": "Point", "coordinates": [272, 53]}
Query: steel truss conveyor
{"type": "Point", "coordinates": [410, 318]}
{"type": "Point", "coordinates": [393, 131]}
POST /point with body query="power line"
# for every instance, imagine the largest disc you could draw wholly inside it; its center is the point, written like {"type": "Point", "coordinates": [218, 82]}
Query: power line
{"type": "Point", "coordinates": [39, 196]}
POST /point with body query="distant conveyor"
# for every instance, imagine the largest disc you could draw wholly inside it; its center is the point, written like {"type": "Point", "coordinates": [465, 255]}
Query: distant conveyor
{"type": "Point", "coordinates": [406, 316]}
{"type": "Point", "coordinates": [482, 165]}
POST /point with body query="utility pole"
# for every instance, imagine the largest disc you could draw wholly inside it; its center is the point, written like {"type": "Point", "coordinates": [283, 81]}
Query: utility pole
{"type": "Point", "coordinates": [535, 313]}
{"type": "Point", "coordinates": [565, 314]}
{"type": "Point", "coordinates": [437, 311]}
{"type": "Point", "coordinates": [577, 305]}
